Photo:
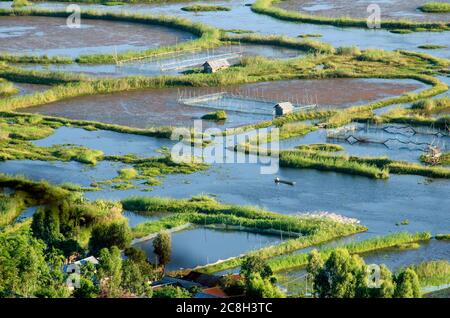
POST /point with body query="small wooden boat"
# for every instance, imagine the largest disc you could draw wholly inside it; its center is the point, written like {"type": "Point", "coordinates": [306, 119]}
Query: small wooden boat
{"type": "Point", "coordinates": [278, 180]}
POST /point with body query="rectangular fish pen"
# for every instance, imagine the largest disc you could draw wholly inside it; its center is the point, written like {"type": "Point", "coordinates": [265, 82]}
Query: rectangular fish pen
{"type": "Point", "coordinates": [236, 102]}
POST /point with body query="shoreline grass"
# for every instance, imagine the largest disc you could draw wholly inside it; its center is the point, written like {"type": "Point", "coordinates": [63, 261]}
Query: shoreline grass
{"type": "Point", "coordinates": [266, 7]}
{"type": "Point", "coordinates": [300, 260]}
{"type": "Point", "coordinates": [203, 211]}
{"type": "Point", "coordinates": [209, 37]}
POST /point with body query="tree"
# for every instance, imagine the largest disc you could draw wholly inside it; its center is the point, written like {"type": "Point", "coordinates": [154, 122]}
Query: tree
{"type": "Point", "coordinates": [407, 284]}
{"type": "Point", "coordinates": [110, 271]}
{"type": "Point", "coordinates": [259, 287]}
{"type": "Point", "coordinates": [342, 275]}
{"type": "Point", "coordinates": [105, 235]}
{"type": "Point", "coordinates": [139, 258]}
{"type": "Point", "coordinates": [87, 289]}
{"type": "Point", "coordinates": [132, 280]}
{"type": "Point", "coordinates": [162, 245]}
{"type": "Point", "coordinates": [171, 292]}
{"type": "Point", "coordinates": [255, 265]}
{"type": "Point", "coordinates": [23, 269]}
{"type": "Point", "coordinates": [386, 285]}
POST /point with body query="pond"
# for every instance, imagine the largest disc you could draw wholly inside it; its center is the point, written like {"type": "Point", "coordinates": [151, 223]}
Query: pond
{"type": "Point", "coordinates": [241, 17]}
{"type": "Point", "coordinates": [169, 65]}
{"type": "Point", "coordinates": [161, 107]}
{"type": "Point", "coordinates": [110, 142]}
{"type": "Point", "coordinates": [200, 246]}
{"type": "Point", "coordinates": [51, 36]}
{"type": "Point", "coordinates": [390, 9]}
{"type": "Point", "coordinates": [401, 142]}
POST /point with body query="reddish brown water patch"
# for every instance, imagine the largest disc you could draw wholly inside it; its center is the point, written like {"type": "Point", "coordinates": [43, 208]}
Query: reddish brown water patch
{"type": "Point", "coordinates": [156, 107]}
{"type": "Point", "coordinates": [39, 34]}
{"type": "Point", "coordinates": [393, 9]}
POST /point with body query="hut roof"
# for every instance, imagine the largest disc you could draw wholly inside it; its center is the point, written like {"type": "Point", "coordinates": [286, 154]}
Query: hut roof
{"type": "Point", "coordinates": [284, 105]}
{"type": "Point", "coordinates": [217, 64]}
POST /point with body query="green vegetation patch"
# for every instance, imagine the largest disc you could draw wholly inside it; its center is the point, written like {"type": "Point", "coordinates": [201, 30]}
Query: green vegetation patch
{"type": "Point", "coordinates": [219, 115]}
{"type": "Point", "coordinates": [204, 8]}
{"type": "Point", "coordinates": [286, 262]}
{"type": "Point", "coordinates": [432, 46]}
{"type": "Point", "coordinates": [443, 237]}
{"type": "Point", "coordinates": [266, 7]}
{"type": "Point", "coordinates": [435, 7]}
{"type": "Point", "coordinates": [433, 273]}
{"type": "Point", "coordinates": [206, 211]}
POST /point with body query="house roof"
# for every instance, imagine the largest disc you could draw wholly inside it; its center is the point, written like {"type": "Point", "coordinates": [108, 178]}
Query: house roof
{"type": "Point", "coordinates": [284, 105]}
{"type": "Point", "coordinates": [215, 292]}
{"type": "Point", "coordinates": [167, 281]}
{"type": "Point", "coordinates": [216, 64]}
{"type": "Point", "coordinates": [203, 279]}
{"type": "Point", "coordinates": [90, 259]}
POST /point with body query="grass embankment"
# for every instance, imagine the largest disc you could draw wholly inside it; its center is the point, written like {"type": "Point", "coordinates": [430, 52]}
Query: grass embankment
{"type": "Point", "coordinates": [208, 36]}
{"type": "Point", "coordinates": [7, 88]}
{"type": "Point", "coordinates": [266, 7]}
{"type": "Point", "coordinates": [206, 211]}
{"type": "Point", "coordinates": [433, 273]}
{"type": "Point", "coordinates": [325, 160]}
{"type": "Point", "coordinates": [421, 113]}
{"type": "Point", "coordinates": [306, 45]}
{"type": "Point", "coordinates": [255, 69]}
{"type": "Point", "coordinates": [16, 134]}
{"type": "Point", "coordinates": [435, 7]}
{"type": "Point", "coordinates": [35, 59]}
{"type": "Point", "coordinates": [204, 8]}
{"type": "Point", "coordinates": [393, 240]}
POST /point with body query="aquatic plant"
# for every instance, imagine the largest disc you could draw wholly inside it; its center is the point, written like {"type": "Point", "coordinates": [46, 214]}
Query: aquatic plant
{"type": "Point", "coordinates": [435, 7]}
{"type": "Point", "coordinates": [219, 115]}
{"type": "Point", "coordinates": [204, 8]}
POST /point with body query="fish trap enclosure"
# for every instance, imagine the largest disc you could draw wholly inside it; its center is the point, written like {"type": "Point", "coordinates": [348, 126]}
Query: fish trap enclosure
{"type": "Point", "coordinates": [392, 136]}
{"type": "Point", "coordinates": [235, 102]}
{"type": "Point", "coordinates": [182, 59]}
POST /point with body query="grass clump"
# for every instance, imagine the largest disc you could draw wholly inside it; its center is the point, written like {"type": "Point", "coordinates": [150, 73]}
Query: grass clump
{"type": "Point", "coordinates": [443, 237]}
{"type": "Point", "coordinates": [21, 3]}
{"type": "Point", "coordinates": [433, 273]}
{"type": "Point", "coordinates": [219, 115]}
{"type": "Point", "coordinates": [7, 88]}
{"type": "Point", "coordinates": [432, 46]}
{"type": "Point", "coordinates": [310, 35]}
{"type": "Point", "coordinates": [342, 164]}
{"type": "Point", "coordinates": [348, 50]}
{"type": "Point", "coordinates": [204, 8]}
{"type": "Point", "coordinates": [321, 147]}
{"type": "Point", "coordinates": [435, 7]}
{"type": "Point", "coordinates": [128, 173]}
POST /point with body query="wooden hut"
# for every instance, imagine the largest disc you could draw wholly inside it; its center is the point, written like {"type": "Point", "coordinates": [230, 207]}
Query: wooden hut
{"type": "Point", "coordinates": [283, 108]}
{"type": "Point", "coordinates": [215, 65]}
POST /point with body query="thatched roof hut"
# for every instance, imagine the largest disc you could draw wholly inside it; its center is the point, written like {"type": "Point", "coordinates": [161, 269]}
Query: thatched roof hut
{"type": "Point", "coordinates": [215, 65]}
{"type": "Point", "coordinates": [283, 108]}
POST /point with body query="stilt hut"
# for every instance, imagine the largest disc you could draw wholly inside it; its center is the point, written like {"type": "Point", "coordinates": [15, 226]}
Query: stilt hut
{"type": "Point", "coordinates": [283, 108]}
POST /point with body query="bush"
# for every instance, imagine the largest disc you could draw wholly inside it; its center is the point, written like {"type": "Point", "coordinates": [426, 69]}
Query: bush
{"type": "Point", "coordinates": [105, 235]}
